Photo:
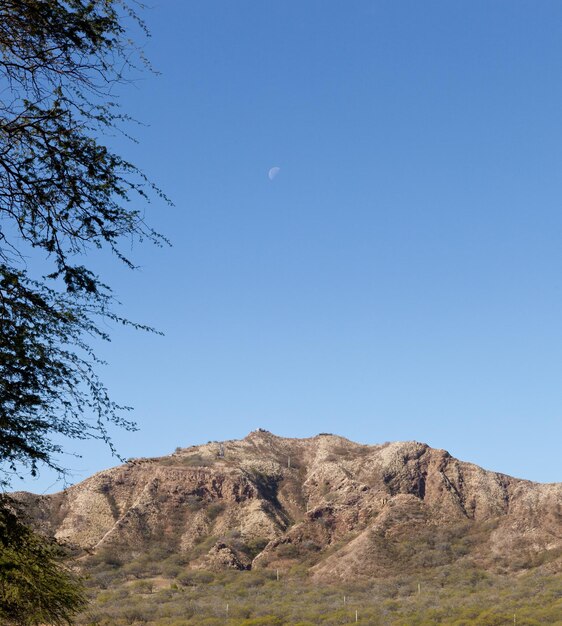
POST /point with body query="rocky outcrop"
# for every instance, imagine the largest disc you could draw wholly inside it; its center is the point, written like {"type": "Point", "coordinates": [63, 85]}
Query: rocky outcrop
{"type": "Point", "coordinates": [339, 508]}
{"type": "Point", "coordinates": [221, 556]}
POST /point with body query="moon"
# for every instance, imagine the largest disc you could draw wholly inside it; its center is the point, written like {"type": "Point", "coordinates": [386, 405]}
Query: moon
{"type": "Point", "coordinates": [273, 172]}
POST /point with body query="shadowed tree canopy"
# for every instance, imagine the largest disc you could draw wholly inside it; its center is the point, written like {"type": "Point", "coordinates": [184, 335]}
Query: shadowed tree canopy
{"type": "Point", "coordinates": [35, 588]}
{"type": "Point", "coordinates": [63, 192]}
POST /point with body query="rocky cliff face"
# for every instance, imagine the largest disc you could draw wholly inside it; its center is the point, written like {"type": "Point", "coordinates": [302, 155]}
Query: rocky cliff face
{"type": "Point", "coordinates": [340, 509]}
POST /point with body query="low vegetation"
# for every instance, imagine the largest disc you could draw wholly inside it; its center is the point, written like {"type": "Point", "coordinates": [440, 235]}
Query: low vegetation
{"type": "Point", "coordinates": [161, 590]}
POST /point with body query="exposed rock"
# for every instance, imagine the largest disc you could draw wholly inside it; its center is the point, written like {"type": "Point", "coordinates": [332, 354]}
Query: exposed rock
{"type": "Point", "coordinates": [342, 509]}
{"type": "Point", "coordinates": [221, 557]}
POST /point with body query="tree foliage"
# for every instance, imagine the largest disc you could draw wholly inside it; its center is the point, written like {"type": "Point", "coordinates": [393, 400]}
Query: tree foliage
{"type": "Point", "coordinates": [63, 192]}
{"type": "Point", "coordinates": [47, 386]}
{"type": "Point", "coordinates": [34, 587]}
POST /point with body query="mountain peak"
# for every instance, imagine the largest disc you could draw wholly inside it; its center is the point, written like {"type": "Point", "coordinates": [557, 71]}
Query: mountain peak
{"type": "Point", "coordinates": [343, 509]}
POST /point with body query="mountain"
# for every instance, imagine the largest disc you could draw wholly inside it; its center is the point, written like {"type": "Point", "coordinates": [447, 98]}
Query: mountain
{"type": "Point", "coordinates": [341, 510]}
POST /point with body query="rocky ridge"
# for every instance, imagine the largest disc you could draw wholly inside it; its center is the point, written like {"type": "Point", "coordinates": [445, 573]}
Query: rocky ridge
{"type": "Point", "coordinates": [340, 509]}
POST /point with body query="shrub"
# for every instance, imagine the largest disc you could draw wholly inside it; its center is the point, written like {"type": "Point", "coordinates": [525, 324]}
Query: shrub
{"type": "Point", "coordinates": [214, 510]}
{"type": "Point", "coordinates": [267, 620]}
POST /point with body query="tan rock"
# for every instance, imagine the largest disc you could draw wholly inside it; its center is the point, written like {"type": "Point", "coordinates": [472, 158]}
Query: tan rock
{"type": "Point", "coordinates": [343, 509]}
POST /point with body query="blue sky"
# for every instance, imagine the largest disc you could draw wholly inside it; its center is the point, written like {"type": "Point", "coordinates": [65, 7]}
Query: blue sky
{"type": "Point", "coordinates": [401, 278]}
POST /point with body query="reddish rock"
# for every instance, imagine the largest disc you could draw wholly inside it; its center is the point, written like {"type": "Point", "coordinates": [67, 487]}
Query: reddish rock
{"type": "Point", "coordinates": [342, 509]}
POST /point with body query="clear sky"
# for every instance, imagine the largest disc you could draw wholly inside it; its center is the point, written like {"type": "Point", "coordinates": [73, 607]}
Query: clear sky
{"type": "Point", "coordinates": [400, 278]}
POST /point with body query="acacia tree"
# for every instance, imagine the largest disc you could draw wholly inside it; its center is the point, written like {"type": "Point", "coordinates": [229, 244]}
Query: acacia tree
{"type": "Point", "coordinates": [35, 586]}
{"type": "Point", "coordinates": [63, 192]}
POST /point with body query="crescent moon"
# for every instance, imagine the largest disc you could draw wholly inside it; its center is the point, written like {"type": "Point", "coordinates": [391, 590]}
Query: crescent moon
{"type": "Point", "coordinates": [273, 172]}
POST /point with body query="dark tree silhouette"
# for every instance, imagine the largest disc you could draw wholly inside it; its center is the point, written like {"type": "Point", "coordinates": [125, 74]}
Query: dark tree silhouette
{"type": "Point", "coordinates": [62, 191]}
